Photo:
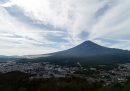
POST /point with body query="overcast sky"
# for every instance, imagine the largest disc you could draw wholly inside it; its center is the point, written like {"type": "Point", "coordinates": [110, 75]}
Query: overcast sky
{"type": "Point", "coordinates": [44, 26]}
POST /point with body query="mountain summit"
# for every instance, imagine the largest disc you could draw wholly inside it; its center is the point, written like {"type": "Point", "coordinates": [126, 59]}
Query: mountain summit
{"type": "Point", "coordinates": [89, 43]}
{"type": "Point", "coordinates": [87, 48]}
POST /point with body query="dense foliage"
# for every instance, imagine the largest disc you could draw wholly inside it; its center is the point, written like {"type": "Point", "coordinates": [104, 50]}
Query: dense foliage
{"type": "Point", "coordinates": [17, 81]}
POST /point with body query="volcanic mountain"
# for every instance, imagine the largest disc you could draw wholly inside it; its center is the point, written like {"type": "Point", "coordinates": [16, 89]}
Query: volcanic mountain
{"type": "Point", "coordinates": [86, 49]}
{"type": "Point", "coordinates": [86, 53]}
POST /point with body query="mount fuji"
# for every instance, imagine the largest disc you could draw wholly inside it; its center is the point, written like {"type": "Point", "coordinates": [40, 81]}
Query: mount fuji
{"type": "Point", "coordinates": [87, 52]}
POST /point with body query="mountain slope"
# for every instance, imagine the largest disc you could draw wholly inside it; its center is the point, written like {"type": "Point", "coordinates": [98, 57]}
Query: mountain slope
{"type": "Point", "coordinates": [87, 48]}
{"type": "Point", "coordinates": [87, 53]}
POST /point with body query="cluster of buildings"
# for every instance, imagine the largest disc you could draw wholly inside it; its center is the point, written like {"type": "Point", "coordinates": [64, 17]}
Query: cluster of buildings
{"type": "Point", "coordinates": [119, 73]}
{"type": "Point", "coordinates": [40, 69]}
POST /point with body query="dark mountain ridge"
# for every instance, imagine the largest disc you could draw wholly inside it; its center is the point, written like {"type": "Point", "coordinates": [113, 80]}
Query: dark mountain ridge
{"type": "Point", "coordinates": [87, 53]}
{"type": "Point", "coordinates": [86, 49]}
{"type": "Point", "coordinates": [6, 58]}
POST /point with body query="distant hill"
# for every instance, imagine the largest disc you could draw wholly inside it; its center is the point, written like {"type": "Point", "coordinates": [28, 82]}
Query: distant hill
{"type": "Point", "coordinates": [6, 58]}
{"type": "Point", "coordinates": [87, 52]}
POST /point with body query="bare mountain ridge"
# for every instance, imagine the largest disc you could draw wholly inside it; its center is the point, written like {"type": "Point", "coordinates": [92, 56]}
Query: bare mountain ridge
{"type": "Point", "coordinates": [88, 48]}
{"type": "Point", "coordinates": [85, 53]}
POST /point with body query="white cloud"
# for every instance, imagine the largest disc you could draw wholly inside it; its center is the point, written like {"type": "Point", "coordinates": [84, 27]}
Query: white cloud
{"type": "Point", "coordinates": [17, 38]}
{"type": "Point", "coordinates": [113, 22]}
{"type": "Point", "coordinates": [92, 19]}
{"type": "Point", "coordinates": [73, 16]}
